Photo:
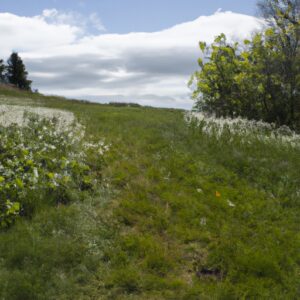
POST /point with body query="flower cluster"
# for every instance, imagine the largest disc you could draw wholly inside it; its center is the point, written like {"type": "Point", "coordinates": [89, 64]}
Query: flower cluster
{"type": "Point", "coordinates": [247, 130]}
{"type": "Point", "coordinates": [41, 158]}
{"type": "Point", "coordinates": [14, 114]}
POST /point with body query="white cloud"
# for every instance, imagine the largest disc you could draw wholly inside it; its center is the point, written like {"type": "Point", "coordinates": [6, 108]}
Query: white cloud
{"type": "Point", "coordinates": [53, 16]}
{"type": "Point", "coordinates": [26, 34]}
{"type": "Point", "coordinates": [96, 22]}
{"type": "Point", "coordinates": [150, 68]}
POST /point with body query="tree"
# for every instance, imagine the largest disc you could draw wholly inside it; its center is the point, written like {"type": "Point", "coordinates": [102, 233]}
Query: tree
{"type": "Point", "coordinates": [2, 70]}
{"type": "Point", "coordinates": [227, 82]}
{"type": "Point", "coordinates": [16, 72]}
{"type": "Point", "coordinates": [216, 82]}
{"type": "Point", "coordinates": [280, 13]}
{"type": "Point", "coordinates": [259, 79]}
{"type": "Point", "coordinates": [283, 16]}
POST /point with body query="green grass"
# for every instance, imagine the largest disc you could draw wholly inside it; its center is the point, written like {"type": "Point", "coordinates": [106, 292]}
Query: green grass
{"type": "Point", "coordinates": [154, 228]}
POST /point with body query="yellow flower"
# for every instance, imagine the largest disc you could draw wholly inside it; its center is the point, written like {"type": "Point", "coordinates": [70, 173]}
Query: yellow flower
{"type": "Point", "coordinates": [218, 194]}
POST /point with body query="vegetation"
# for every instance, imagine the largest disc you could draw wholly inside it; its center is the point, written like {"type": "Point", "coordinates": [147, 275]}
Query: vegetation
{"type": "Point", "coordinates": [120, 201]}
{"type": "Point", "coordinates": [16, 72]}
{"type": "Point", "coordinates": [120, 104]}
{"type": "Point", "coordinates": [259, 79]}
{"type": "Point", "coordinates": [2, 69]}
{"type": "Point", "coordinates": [40, 162]}
{"type": "Point", "coordinates": [184, 207]}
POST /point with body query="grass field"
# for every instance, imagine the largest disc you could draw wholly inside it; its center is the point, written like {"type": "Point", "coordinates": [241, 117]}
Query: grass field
{"type": "Point", "coordinates": [176, 214]}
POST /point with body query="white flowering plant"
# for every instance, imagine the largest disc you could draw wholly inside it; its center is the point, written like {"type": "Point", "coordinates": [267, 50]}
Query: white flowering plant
{"type": "Point", "coordinates": [262, 153]}
{"type": "Point", "coordinates": [43, 161]}
{"type": "Point", "coordinates": [243, 131]}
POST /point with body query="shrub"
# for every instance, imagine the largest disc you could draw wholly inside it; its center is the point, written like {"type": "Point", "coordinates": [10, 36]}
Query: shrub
{"type": "Point", "coordinates": [42, 163]}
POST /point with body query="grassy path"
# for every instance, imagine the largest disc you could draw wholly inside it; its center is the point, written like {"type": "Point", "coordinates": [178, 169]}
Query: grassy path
{"type": "Point", "coordinates": [177, 217]}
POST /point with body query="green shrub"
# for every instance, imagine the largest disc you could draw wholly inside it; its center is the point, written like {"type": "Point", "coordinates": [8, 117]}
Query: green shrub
{"type": "Point", "coordinates": [42, 163]}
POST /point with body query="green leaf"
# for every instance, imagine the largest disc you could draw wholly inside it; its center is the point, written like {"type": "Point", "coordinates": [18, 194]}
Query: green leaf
{"type": "Point", "coordinates": [19, 183]}
{"type": "Point", "coordinates": [202, 46]}
{"type": "Point", "coordinates": [50, 175]}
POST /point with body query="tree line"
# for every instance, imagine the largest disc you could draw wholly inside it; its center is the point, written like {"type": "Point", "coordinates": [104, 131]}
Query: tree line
{"type": "Point", "coordinates": [15, 72]}
{"type": "Point", "coordinates": [259, 78]}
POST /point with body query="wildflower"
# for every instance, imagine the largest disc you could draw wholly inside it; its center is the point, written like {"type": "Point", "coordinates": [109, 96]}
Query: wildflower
{"type": "Point", "coordinates": [203, 221]}
{"type": "Point", "coordinates": [35, 173]}
{"type": "Point", "coordinates": [20, 115]}
{"type": "Point", "coordinates": [199, 190]}
{"type": "Point", "coordinates": [249, 131]}
{"type": "Point", "coordinates": [230, 203]}
{"type": "Point", "coordinates": [218, 194]}
{"type": "Point", "coordinates": [31, 164]}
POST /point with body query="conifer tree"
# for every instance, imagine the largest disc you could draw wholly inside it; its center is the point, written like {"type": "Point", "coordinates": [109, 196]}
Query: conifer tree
{"type": "Point", "coordinates": [16, 72]}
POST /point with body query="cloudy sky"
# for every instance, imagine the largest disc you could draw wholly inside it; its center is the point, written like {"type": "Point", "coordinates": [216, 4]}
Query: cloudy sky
{"type": "Point", "coordinates": [118, 50]}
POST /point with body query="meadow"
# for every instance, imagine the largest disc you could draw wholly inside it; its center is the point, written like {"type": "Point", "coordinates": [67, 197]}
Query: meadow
{"type": "Point", "coordinates": [146, 203]}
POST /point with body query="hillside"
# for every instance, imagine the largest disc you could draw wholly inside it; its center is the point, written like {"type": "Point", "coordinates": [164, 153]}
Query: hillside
{"type": "Point", "coordinates": [179, 210]}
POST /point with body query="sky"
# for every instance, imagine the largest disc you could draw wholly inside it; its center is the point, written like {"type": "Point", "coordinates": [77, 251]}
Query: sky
{"type": "Point", "coordinates": [119, 50]}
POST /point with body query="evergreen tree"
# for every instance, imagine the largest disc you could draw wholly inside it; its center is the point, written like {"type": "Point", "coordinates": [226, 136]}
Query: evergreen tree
{"type": "Point", "coordinates": [16, 72]}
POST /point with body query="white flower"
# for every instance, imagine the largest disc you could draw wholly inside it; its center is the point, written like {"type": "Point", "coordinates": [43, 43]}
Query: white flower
{"type": "Point", "coordinates": [249, 131]}
{"type": "Point", "coordinates": [35, 172]}
{"type": "Point", "coordinates": [15, 114]}
{"type": "Point", "coordinates": [230, 203]}
{"type": "Point", "coordinates": [203, 221]}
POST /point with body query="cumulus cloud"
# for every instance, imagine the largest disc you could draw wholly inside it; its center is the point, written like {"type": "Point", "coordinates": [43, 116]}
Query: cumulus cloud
{"type": "Point", "coordinates": [26, 34]}
{"type": "Point", "coordinates": [150, 68]}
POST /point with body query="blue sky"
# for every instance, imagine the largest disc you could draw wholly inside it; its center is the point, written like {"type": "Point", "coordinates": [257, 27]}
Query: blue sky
{"type": "Point", "coordinates": [123, 16]}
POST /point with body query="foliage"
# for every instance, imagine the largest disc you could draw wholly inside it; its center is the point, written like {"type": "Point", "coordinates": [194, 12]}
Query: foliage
{"type": "Point", "coordinates": [124, 104]}
{"type": "Point", "coordinates": [280, 13]}
{"type": "Point", "coordinates": [16, 72]}
{"type": "Point", "coordinates": [9, 210]}
{"type": "Point", "coordinates": [40, 162]}
{"type": "Point", "coordinates": [256, 80]}
{"type": "Point", "coordinates": [181, 212]}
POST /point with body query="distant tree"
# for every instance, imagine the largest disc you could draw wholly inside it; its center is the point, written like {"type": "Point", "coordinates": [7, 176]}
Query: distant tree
{"type": "Point", "coordinates": [16, 72]}
{"type": "Point", "coordinates": [2, 70]}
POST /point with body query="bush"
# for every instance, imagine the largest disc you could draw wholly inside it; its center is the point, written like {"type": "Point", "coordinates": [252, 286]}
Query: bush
{"type": "Point", "coordinates": [258, 79]}
{"type": "Point", "coordinates": [41, 163]}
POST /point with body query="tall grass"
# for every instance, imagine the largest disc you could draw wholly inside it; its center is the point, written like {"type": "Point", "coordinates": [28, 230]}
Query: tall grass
{"type": "Point", "coordinates": [179, 211]}
{"type": "Point", "coordinates": [267, 156]}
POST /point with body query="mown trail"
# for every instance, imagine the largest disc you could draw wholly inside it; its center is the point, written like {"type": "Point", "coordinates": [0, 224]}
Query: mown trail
{"type": "Point", "coordinates": [178, 216]}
